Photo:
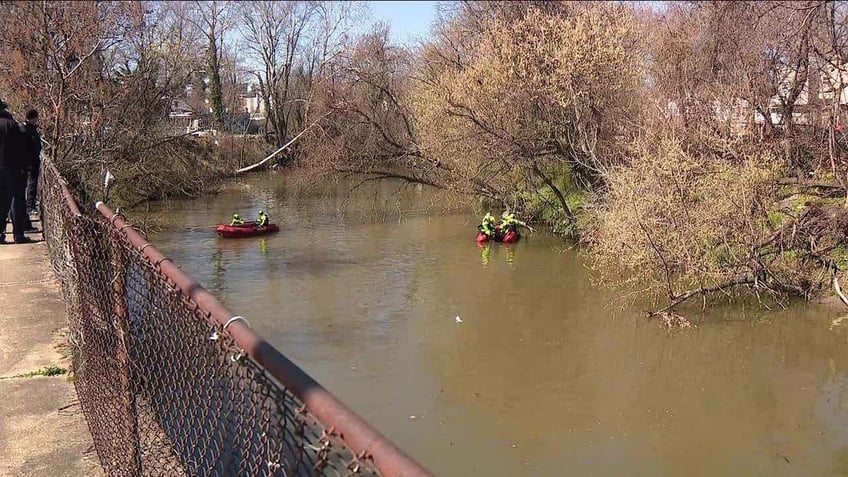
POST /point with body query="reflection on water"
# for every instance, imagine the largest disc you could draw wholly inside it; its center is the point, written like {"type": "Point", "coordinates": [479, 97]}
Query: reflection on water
{"type": "Point", "coordinates": [541, 377]}
{"type": "Point", "coordinates": [508, 251]}
{"type": "Point", "coordinates": [485, 253]}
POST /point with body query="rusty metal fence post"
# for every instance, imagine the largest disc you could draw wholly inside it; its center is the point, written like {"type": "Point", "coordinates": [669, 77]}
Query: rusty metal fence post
{"type": "Point", "coordinates": [124, 339]}
{"type": "Point", "coordinates": [173, 383]}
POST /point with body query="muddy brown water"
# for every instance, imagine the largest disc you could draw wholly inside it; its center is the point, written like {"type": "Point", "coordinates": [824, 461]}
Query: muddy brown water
{"type": "Point", "coordinates": [541, 377]}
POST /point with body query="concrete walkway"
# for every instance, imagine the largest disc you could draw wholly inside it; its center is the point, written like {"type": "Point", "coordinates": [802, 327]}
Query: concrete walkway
{"type": "Point", "coordinates": [42, 429]}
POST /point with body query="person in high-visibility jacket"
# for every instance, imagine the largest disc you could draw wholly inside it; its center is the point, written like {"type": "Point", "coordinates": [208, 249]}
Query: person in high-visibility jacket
{"type": "Point", "coordinates": [509, 222]}
{"type": "Point", "coordinates": [262, 220]}
{"type": "Point", "coordinates": [488, 225]}
{"type": "Point", "coordinates": [236, 220]}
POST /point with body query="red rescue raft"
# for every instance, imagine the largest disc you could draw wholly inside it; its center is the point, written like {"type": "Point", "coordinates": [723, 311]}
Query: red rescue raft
{"type": "Point", "coordinates": [509, 237]}
{"type": "Point", "coordinates": [246, 230]}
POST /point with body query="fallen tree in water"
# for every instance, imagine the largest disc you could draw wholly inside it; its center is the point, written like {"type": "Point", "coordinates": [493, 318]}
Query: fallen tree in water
{"type": "Point", "coordinates": [276, 152]}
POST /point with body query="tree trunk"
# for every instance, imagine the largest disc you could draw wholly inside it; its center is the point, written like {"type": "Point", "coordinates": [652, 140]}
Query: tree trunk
{"type": "Point", "coordinates": [266, 100]}
{"type": "Point", "coordinates": [216, 99]}
{"type": "Point", "coordinates": [561, 198]}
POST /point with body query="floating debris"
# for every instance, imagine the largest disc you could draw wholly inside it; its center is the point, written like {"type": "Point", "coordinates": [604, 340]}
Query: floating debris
{"type": "Point", "coordinates": [673, 320]}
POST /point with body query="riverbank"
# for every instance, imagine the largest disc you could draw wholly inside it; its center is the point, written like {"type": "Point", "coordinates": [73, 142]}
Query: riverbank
{"type": "Point", "coordinates": [196, 166]}
{"type": "Point", "coordinates": [42, 429]}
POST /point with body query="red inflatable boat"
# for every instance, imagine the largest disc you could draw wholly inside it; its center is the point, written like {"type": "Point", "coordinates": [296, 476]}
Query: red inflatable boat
{"type": "Point", "coordinates": [246, 230]}
{"type": "Point", "coordinates": [509, 237]}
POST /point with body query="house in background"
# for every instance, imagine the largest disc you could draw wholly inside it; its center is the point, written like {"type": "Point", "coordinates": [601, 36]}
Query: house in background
{"type": "Point", "coordinates": [193, 114]}
{"type": "Point", "coordinates": [182, 118]}
{"type": "Point", "coordinates": [252, 103]}
{"type": "Point", "coordinates": [821, 101]}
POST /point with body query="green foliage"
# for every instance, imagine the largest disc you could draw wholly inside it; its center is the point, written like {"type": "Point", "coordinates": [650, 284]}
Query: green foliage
{"type": "Point", "coordinates": [545, 207]}
{"type": "Point", "coordinates": [777, 218]}
{"type": "Point", "coordinates": [45, 371]}
{"type": "Point", "coordinates": [789, 255]}
{"type": "Point", "coordinates": [800, 201]}
{"type": "Point", "coordinates": [839, 256]}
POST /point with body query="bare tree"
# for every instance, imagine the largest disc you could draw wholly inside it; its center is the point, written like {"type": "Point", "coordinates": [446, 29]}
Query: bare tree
{"type": "Point", "coordinates": [329, 37]}
{"type": "Point", "coordinates": [274, 32]}
{"type": "Point", "coordinates": [105, 77]}
{"type": "Point", "coordinates": [210, 18]}
{"type": "Point", "coordinates": [53, 59]}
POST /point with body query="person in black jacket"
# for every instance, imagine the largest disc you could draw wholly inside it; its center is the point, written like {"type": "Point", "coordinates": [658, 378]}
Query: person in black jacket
{"type": "Point", "coordinates": [12, 175]}
{"type": "Point", "coordinates": [32, 161]}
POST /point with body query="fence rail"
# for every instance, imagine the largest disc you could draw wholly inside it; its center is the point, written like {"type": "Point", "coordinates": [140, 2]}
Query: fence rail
{"type": "Point", "coordinates": [173, 383]}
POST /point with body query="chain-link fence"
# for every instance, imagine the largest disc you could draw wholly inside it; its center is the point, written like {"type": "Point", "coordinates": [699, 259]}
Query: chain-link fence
{"type": "Point", "coordinates": [171, 383]}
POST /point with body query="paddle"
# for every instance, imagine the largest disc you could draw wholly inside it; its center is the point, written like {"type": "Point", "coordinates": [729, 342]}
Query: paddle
{"type": "Point", "coordinates": [200, 227]}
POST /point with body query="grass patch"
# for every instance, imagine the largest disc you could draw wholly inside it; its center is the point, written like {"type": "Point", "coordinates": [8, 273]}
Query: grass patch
{"type": "Point", "coordinates": [800, 201]}
{"type": "Point", "coordinates": [839, 256]}
{"type": "Point", "coordinates": [777, 218]}
{"type": "Point", "coordinates": [45, 371]}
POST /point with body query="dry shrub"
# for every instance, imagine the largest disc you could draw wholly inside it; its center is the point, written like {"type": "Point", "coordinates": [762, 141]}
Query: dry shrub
{"type": "Point", "coordinates": [540, 94]}
{"type": "Point", "coordinates": [365, 125]}
{"type": "Point", "coordinates": [678, 223]}
{"type": "Point", "coordinates": [672, 320]}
